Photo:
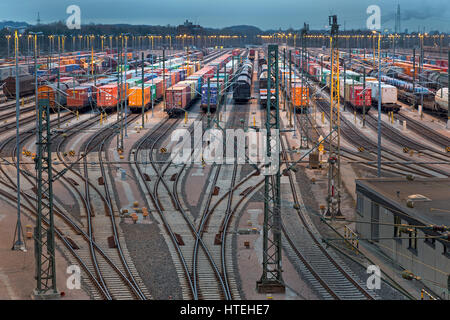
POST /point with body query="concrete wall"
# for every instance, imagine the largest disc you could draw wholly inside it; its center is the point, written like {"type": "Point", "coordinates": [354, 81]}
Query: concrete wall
{"type": "Point", "coordinates": [427, 261]}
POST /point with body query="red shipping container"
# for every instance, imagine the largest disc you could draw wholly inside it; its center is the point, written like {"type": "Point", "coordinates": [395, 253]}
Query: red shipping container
{"type": "Point", "coordinates": [178, 97]}
{"type": "Point", "coordinates": [107, 95]}
{"type": "Point", "coordinates": [357, 96]}
{"type": "Point", "coordinates": [78, 97]}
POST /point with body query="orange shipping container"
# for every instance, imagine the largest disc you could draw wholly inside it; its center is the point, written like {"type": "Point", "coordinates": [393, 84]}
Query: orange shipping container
{"type": "Point", "coordinates": [300, 95]}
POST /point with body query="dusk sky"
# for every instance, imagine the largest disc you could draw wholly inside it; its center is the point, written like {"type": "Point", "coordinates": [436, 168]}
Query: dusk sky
{"type": "Point", "coordinates": [434, 15]}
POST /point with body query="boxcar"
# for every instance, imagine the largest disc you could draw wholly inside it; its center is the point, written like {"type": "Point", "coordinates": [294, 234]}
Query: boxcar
{"type": "Point", "coordinates": [26, 86]}
{"type": "Point", "coordinates": [81, 96]}
{"type": "Point", "coordinates": [53, 94]}
{"type": "Point", "coordinates": [135, 96]}
{"type": "Point", "coordinates": [178, 98]}
{"type": "Point", "coordinates": [107, 95]}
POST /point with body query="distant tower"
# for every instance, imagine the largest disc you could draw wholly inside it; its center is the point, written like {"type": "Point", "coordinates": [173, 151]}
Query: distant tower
{"type": "Point", "coordinates": [38, 19]}
{"type": "Point", "coordinates": [398, 28]}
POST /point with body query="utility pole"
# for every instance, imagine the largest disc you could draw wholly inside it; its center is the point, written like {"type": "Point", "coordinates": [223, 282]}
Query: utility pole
{"type": "Point", "coordinates": [414, 76]}
{"type": "Point", "coordinates": [284, 78]}
{"type": "Point", "coordinates": [303, 117]}
{"type": "Point", "coordinates": [290, 104]}
{"type": "Point", "coordinates": [164, 79]}
{"type": "Point", "coordinates": [271, 279]}
{"type": "Point", "coordinates": [18, 243]}
{"type": "Point", "coordinates": [379, 109]}
{"type": "Point", "coordinates": [364, 103]}
{"type": "Point", "coordinates": [126, 91]}
{"type": "Point", "coordinates": [334, 160]}
{"type": "Point", "coordinates": [448, 93]}
{"type": "Point", "coordinates": [58, 84]}
{"type": "Point", "coordinates": [151, 89]}
{"type": "Point", "coordinates": [209, 107]}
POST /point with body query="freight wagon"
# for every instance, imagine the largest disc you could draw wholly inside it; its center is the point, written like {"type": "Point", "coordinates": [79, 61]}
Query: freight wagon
{"type": "Point", "coordinates": [81, 96]}
{"type": "Point", "coordinates": [441, 99]}
{"type": "Point", "coordinates": [178, 98]}
{"type": "Point", "coordinates": [27, 86]}
{"type": "Point", "coordinates": [56, 96]}
{"type": "Point", "coordinates": [299, 94]}
{"type": "Point", "coordinates": [135, 96]}
{"type": "Point", "coordinates": [263, 87]}
{"type": "Point", "coordinates": [213, 96]}
{"type": "Point", "coordinates": [108, 95]}
{"type": "Point", "coordinates": [251, 54]}
{"type": "Point", "coordinates": [389, 95]}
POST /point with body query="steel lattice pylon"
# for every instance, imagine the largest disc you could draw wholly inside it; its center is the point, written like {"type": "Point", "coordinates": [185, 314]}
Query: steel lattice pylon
{"type": "Point", "coordinates": [334, 160]}
{"type": "Point", "coordinates": [44, 231]}
{"type": "Point", "coordinates": [271, 278]}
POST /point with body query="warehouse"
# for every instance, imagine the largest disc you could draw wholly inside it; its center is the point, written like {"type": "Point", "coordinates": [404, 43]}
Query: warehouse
{"type": "Point", "coordinates": [383, 204]}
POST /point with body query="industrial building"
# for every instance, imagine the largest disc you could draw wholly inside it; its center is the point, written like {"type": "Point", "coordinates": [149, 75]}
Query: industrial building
{"type": "Point", "coordinates": [398, 215]}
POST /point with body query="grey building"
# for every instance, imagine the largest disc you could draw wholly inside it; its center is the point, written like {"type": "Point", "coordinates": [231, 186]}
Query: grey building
{"type": "Point", "coordinates": [392, 213]}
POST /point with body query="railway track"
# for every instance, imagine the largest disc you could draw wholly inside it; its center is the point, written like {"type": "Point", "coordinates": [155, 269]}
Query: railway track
{"type": "Point", "coordinates": [10, 104]}
{"type": "Point", "coordinates": [181, 264]}
{"type": "Point", "coordinates": [333, 279]}
{"type": "Point", "coordinates": [215, 222]}
{"type": "Point", "coordinates": [92, 268]}
{"type": "Point", "coordinates": [208, 283]}
{"type": "Point", "coordinates": [118, 277]}
{"type": "Point", "coordinates": [425, 131]}
{"type": "Point", "coordinates": [395, 136]}
{"type": "Point", "coordinates": [62, 227]}
{"type": "Point", "coordinates": [352, 134]}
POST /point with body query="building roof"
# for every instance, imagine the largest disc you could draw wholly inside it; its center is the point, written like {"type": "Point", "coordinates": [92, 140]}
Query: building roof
{"type": "Point", "coordinates": [396, 192]}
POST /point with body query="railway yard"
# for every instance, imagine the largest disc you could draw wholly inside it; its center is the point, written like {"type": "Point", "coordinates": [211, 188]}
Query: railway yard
{"type": "Point", "coordinates": [252, 172]}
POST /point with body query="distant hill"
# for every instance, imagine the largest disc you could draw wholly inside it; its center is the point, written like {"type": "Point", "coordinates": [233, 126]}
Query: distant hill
{"type": "Point", "coordinates": [244, 29]}
{"type": "Point", "coordinates": [13, 24]}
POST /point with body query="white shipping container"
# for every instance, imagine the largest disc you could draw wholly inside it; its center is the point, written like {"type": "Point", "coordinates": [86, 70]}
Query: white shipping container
{"type": "Point", "coordinates": [388, 92]}
{"type": "Point", "coordinates": [442, 98]}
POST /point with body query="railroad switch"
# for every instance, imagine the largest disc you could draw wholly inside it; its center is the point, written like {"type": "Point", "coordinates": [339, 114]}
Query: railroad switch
{"type": "Point", "coordinates": [29, 231]}
{"type": "Point", "coordinates": [218, 239]}
{"type": "Point", "coordinates": [408, 275]}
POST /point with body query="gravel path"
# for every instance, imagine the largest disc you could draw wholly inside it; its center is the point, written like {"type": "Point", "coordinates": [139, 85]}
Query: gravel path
{"type": "Point", "coordinates": [151, 257]}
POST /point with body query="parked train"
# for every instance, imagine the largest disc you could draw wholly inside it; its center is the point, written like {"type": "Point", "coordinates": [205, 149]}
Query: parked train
{"type": "Point", "coordinates": [242, 86]}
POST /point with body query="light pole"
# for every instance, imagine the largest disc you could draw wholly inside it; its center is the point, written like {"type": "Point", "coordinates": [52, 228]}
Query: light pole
{"type": "Point", "coordinates": [7, 38]}
{"type": "Point", "coordinates": [379, 107]}
{"type": "Point", "coordinates": [18, 244]}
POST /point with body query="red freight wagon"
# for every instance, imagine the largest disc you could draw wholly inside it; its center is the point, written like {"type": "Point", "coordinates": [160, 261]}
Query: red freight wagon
{"type": "Point", "coordinates": [357, 96]}
{"type": "Point", "coordinates": [80, 97]}
{"type": "Point", "coordinates": [107, 95]}
{"type": "Point", "coordinates": [177, 98]}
